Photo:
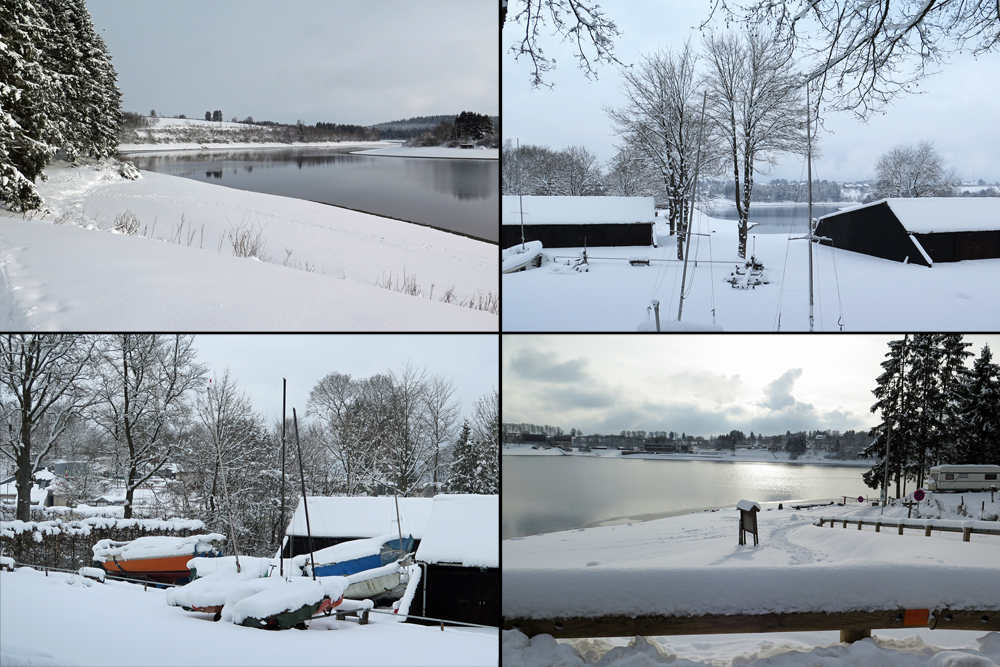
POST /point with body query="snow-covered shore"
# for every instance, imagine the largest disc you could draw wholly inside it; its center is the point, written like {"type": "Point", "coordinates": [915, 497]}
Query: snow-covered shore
{"type": "Point", "coordinates": [854, 291]}
{"type": "Point", "coordinates": [66, 269]}
{"type": "Point", "coordinates": [691, 565]}
{"type": "Point", "coordinates": [174, 147]}
{"type": "Point", "coordinates": [436, 152]}
{"type": "Point", "coordinates": [738, 455]}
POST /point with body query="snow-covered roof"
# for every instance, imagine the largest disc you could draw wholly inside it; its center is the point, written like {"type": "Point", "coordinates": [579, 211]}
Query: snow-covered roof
{"type": "Point", "coordinates": [463, 529]}
{"type": "Point", "coordinates": [364, 516]}
{"type": "Point", "coordinates": [578, 210]}
{"type": "Point", "coordinates": [37, 494]}
{"type": "Point", "coordinates": [748, 505]}
{"type": "Point", "coordinates": [929, 215]}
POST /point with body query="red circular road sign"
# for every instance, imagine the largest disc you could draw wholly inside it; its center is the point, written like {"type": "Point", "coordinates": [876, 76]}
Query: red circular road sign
{"type": "Point", "coordinates": [918, 494]}
{"type": "Point", "coordinates": [861, 499]}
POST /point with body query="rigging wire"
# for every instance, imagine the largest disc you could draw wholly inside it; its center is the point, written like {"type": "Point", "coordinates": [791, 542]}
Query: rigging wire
{"type": "Point", "coordinates": [788, 243]}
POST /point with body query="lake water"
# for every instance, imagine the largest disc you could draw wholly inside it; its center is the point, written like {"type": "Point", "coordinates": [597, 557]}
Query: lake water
{"type": "Point", "coordinates": [459, 195]}
{"type": "Point", "coordinates": [542, 494]}
{"type": "Point", "coordinates": [779, 219]}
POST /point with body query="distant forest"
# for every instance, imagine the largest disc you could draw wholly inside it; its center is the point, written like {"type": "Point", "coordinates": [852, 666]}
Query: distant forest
{"type": "Point", "coordinates": [414, 127]}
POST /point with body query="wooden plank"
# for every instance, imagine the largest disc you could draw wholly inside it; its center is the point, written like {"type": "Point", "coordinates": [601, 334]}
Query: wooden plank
{"type": "Point", "coordinates": [624, 626]}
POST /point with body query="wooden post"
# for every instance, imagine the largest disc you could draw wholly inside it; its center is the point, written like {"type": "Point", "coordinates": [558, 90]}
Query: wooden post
{"type": "Point", "coordinates": [851, 636]}
{"type": "Point", "coordinates": [927, 531]}
{"type": "Point", "coordinates": [878, 526]}
{"type": "Point", "coordinates": [966, 533]}
{"type": "Point", "coordinates": [845, 523]}
{"type": "Point", "coordinates": [859, 525]}
{"type": "Point", "coordinates": [900, 529]}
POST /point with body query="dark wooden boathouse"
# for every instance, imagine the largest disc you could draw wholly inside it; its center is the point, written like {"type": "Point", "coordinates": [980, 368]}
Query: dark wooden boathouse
{"type": "Point", "coordinates": [575, 222]}
{"type": "Point", "coordinates": [919, 230]}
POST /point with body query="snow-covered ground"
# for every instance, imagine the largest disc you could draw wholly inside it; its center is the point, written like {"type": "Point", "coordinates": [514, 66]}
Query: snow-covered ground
{"type": "Point", "coordinates": [704, 455]}
{"type": "Point", "coordinates": [436, 151]}
{"type": "Point", "coordinates": [68, 271]}
{"type": "Point", "coordinates": [858, 291]}
{"type": "Point", "coordinates": [64, 619]}
{"type": "Point", "coordinates": [691, 565]}
{"type": "Point", "coordinates": [214, 148]}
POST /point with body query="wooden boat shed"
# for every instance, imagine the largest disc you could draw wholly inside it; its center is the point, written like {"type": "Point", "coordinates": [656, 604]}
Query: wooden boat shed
{"type": "Point", "coordinates": [575, 222]}
{"type": "Point", "coordinates": [338, 519]}
{"type": "Point", "coordinates": [459, 561]}
{"type": "Point", "coordinates": [921, 230]}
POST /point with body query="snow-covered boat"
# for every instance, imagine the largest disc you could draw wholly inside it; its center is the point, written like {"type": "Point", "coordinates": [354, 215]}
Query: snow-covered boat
{"type": "Point", "coordinates": [356, 555]}
{"type": "Point", "coordinates": [520, 256]}
{"type": "Point", "coordinates": [161, 559]}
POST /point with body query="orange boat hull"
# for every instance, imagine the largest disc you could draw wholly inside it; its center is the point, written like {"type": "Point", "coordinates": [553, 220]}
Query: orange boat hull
{"type": "Point", "coordinates": [149, 565]}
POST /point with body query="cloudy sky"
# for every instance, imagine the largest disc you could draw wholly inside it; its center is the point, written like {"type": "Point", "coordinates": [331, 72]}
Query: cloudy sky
{"type": "Point", "coordinates": [258, 362]}
{"type": "Point", "coordinates": [338, 61]}
{"type": "Point", "coordinates": [958, 112]}
{"type": "Point", "coordinates": [695, 384]}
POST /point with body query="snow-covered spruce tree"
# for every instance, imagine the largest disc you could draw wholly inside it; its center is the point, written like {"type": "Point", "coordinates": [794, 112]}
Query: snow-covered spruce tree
{"type": "Point", "coordinates": [891, 401]}
{"type": "Point", "coordinates": [486, 437]}
{"type": "Point", "coordinates": [26, 130]}
{"type": "Point", "coordinates": [979, 407]}
{"type": "Point", "coordinates": [953, 375]}
{"type": "Point", "coordinates": [926, 402]}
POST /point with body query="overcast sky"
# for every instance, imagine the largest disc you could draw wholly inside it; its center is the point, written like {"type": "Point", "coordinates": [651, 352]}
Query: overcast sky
{"type": "Point", "coordinates": [258, 363]}
{"type": "Point", "coordinates": [958, 113]}
{"type": "Point", "coordinates": [339, 61]}
{"type": "Point", "coordinates": [696, 384]}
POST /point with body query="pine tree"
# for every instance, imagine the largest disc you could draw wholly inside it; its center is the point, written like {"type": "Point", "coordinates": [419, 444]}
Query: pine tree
{"type": "Point", "coordinates": [891, 401]}
{"type": "Point", "coordinates": [979, 407]}
{"type": "Point", "coordinates": [463, 462]}
{"type": "Point", "coordinates": [927, 403]}
{"type": "Point", "coordinates": [953, 375]}
{"type": "Point", "coordinates": [208, 115]}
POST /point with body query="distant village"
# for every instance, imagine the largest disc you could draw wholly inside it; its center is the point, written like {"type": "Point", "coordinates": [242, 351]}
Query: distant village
{"type": "Point", "coordinates": [832, 444]}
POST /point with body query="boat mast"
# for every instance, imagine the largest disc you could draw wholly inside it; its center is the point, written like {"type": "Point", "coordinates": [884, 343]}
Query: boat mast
{"type": "Point", "coordinates": [810, 237]}
{"type": "Point", "coordinates": [225, 488]}
{"type": "Point", "coordinates": [694, 189]}
{"type": "Point", "coordinates": [520, 193]}
{"type": "Point", "coordinates": [305, 502]}
{"type": "Point", "coordinates": [281, 555]}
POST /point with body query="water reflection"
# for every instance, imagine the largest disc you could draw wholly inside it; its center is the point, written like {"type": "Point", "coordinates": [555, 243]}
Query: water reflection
{"type": "Point", "coordinates": [460, 195]}
{"type": "Point", "coordinates": [545, 494]}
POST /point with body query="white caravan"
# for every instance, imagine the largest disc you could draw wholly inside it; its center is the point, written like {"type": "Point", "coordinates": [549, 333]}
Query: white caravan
{"type": "Point", "coordinates": [963, 478]}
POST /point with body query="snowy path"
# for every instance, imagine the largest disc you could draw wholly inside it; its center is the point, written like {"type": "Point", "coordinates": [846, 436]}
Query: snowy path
{"type": "Point", "coordinates": [48, 621]}
{"type": "Point", "coordinates": [691, 565]}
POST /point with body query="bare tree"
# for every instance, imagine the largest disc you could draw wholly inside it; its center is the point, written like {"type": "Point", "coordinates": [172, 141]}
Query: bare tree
{"type": "Point", "coordinates": [629, 175]}
{"type": "Point", "coordinates": [913, 171]}
{"type": "Point", "coordinates": [574, 20]}
{"type": "Point", "coordinates": [340, 404]}
{"type": "Point", "coordinates": [40, 393]}
{"type": "Point", "coordinates": [140, 385]}
{"type": "Point", "coordinates": [869, 51]}
{"type": "Point", "coordinates": [403, 459]}
{"type": "Point", "coordinates": [440, 415]}
{"type": "Point", "coordinates": [756, 106]}
{"type": "Point", "coordinates": [578, 172]}
{"type": "Point", "coordinates": [661, 120]}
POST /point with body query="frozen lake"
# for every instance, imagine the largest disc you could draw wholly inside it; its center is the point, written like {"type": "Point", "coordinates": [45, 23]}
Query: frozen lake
{"type": "Point", "coordinates": [458, 195]}
{"type": "Point", "coordinates": [542, 494]}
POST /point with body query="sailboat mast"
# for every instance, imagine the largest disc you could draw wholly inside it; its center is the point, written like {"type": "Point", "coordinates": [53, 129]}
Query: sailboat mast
{"type": "Point", "coordinates": [281, 555]}
{"type": "Point", "coordinates": [305, 500]}
{"type": "Point", "coordinates": [520, 192]}
{"type": "Point", "coordinates": [810, 238]}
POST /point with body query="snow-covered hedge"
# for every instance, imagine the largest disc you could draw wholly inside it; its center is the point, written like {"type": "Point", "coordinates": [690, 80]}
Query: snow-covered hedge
{"type": "Point", "coordinates": [68, 544]}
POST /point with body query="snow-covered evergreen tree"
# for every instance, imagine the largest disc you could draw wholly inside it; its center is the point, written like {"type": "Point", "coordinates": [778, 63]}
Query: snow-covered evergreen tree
{"type": "Point", "coordinates": [892, 403]}
{"type": "Point", "coordinates": [979, 407]}
{"type": "Point", "coordinates": [953, 376]}
{"type": "Point", "coordinates": [57, 90]}
{"type": "Point", "coordinates": [464, 462]}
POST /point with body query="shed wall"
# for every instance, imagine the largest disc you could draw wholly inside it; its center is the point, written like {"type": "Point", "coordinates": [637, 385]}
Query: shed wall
{"type": "Point", "coordinates": [576, 236]}
{"type": "Point", "coordinates": [873, 230]}
{"type": "Point", "coordinates": [958, 246]}
{"type": "Point", "coordinates": [464, 594]}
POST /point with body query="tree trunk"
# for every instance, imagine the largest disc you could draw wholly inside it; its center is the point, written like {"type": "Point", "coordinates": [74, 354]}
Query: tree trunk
{"type": "Point", "coordinates": [24, 470]}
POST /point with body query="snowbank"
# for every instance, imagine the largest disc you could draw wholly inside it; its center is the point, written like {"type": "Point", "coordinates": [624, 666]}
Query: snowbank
{"type": "Point", "coordinates": [463, 529]}
{"type": "Point", "coordinates": [692, 565]}
{"type": "Point", "coordinates": [147, 632]}
{"type": "Point", "coordinates": [84, 526]}
{"type": "Point", "coordinates": [73, 275]}
{"type": "Point", "coordinates": [781, 651]}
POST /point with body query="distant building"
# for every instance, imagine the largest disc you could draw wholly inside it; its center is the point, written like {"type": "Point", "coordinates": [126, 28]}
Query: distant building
{"type": "Point", "coordinates": [922, 230]}
{"type": "Point", "coordinates": [575, 222]}
{"type": "Point", "coordinates": [668, 447]}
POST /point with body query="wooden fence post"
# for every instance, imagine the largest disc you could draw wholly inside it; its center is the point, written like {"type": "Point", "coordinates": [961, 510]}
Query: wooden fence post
{"type": "Point", "coordinates": [851, 636]}
{"type": "Point", "coordinates": [966, 533]}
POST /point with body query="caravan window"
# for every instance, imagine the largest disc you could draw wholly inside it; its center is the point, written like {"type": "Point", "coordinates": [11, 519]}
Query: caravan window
{"type": "Point", "coordinates": [949, 476]}
{"type": "Point", "coordinates": [991, 476]}
{"type": "Point", "coordinates": [963, 475]}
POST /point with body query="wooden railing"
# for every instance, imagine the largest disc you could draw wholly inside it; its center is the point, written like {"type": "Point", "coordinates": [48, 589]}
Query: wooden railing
{"type": "Point", "coordinates": [927, 525]}
{"type": "Point", "coordinates": [853, 625]}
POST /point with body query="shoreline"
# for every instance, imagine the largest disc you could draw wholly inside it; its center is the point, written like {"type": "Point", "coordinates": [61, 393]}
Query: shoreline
{"type": "Point", "coordinates": [509, 450]}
